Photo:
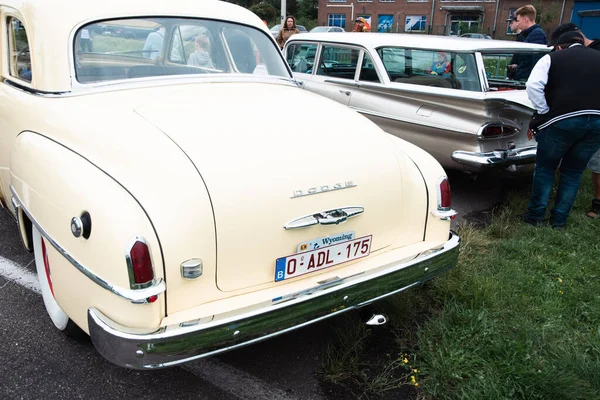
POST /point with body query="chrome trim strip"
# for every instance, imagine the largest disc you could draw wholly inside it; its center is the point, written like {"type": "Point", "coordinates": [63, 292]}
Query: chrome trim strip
{"type": "Point", "coordinates": [16, 207]}
{"type": "Point", "coordinates": [136, 296]}
{"type": "Point", "coordinates": [498, 158]}
{"type": "Point", "coordinates": [444, 215]}
{"type": "Point", "coordinates": [173, 344]}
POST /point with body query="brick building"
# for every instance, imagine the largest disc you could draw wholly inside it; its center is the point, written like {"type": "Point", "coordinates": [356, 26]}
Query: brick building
{"type": "Point", "coordinates": [438, 17]}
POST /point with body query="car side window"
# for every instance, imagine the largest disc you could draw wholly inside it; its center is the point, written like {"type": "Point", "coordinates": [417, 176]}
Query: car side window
{"type": "Point", "coordinates": [194, 45]}
{"type": "Point", "coordinates": [19, 58]}
{"type": "Point", "coordinates": [393, 60]}
{"type": "Point", "coordinates": [338, 62]}
{"type": "Point", "coordinates": [301, 57]}
{"type": "Point", "coordinates": [367, 70]}
{"type": "Point", "coordinates": [431, 68]}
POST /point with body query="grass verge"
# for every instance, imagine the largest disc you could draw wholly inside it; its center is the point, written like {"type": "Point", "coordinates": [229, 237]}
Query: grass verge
{"type": "Point", "coordinates": [519, 317]}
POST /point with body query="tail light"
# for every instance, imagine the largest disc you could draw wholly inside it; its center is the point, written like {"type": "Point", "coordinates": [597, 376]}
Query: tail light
{"type": "Point", "coordinates": [444, 202]}
{"type": "Point", "coordinates": [497, 130]}
{"type": "Point", "coordinates": [139, 263]}
{"type": "Point", "coordinates": [444, 198]}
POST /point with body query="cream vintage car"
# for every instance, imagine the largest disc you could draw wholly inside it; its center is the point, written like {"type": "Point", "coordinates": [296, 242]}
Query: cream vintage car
{"type": "Point", "coordinates": [450, 96]}
{"type": "Point", "coordinates": [168, 219]}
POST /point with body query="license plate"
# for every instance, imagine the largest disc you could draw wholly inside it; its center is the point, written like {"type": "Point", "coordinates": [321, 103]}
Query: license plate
{"type": "Point", "coordinates": [325, 257]}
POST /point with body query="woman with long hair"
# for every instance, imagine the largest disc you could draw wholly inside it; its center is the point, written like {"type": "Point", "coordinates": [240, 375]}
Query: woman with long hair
{"type": "Point", "coordinates": [288, 29]}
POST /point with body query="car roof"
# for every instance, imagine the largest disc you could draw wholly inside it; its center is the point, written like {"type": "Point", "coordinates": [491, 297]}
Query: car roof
{"type": "Point", "coordinates": [434, 42]}
{"type": "Point", "coordinates": [50, 42]}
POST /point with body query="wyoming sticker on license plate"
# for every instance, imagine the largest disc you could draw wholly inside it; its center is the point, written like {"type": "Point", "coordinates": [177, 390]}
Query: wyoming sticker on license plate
{"type": "Point", "coordinates": [325, 257]}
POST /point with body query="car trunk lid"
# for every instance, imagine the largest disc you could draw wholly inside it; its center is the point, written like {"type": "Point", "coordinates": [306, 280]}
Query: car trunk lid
{"type": "Point", "coordinates": [266, 167]}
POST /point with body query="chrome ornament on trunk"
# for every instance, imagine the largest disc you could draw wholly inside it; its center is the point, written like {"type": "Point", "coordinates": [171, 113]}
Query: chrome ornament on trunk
{"type": "Point", "coordinates": [328, 217]}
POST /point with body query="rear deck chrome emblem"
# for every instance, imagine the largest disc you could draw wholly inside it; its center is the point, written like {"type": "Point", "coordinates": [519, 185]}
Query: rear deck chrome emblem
{"type": "Point", "coordinates": [323, 189]}
{"type": "Point", "coordinates": [328, 217]}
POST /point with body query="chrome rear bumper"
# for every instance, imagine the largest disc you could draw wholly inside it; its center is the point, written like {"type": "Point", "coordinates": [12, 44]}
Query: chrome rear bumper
{"type": "Point", "coordinates": [173, 345]}
{"type": "Point", "coordinates": [497, 158]}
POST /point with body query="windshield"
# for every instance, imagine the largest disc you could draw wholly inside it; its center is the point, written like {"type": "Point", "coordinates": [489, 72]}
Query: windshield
{"type": "Point", "coordinates": [146, 47]}
{"type": "Point", "coordinates": [509, 69]}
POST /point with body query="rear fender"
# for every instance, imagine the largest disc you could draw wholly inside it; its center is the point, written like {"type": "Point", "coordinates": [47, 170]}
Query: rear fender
{"type": "Point", "coordinates": [435, 229]}
{"type": "Point", "coordinates": [52, 185]}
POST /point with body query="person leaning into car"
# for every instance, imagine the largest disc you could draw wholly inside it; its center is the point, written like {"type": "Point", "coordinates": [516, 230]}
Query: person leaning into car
{"type": "Point", "coordinates": [288, 29]}
{"type": "Point", "coordinates": [563, 88]}
{"type": "Point", "coordinates": [532, 33]}
{"type": "Point", "coordinates": [594, 163]}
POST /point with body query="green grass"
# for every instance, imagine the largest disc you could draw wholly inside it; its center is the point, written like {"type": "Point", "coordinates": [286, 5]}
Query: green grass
{"type": "Point", "coordinates": [519, 317]}
{"type": "Point", "coordinates": [103, 44]}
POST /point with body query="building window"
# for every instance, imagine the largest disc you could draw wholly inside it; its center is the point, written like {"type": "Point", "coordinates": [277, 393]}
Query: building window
{"type": "Point", "coordinates": [365, 1]}
{"type": "Point", "coordinates": [460, 24]}
{"type": "Point", "coordinates": [417, 1]}
{"type": "Point", "coordinates": [336, 20]}
{"type": "Point", "coordinates": [337, 1]}
{"type": "Point", "coordinates": [415, 23]}
{"type": "Point", "coordinates": [385, 23]}
{"type": "Point", "coordinates": [387, 1]}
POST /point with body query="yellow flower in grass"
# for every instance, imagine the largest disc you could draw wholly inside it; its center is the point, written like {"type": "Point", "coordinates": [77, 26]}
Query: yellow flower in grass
{"type": "Point", "coordinates": [560, 291]}
{"type": "Point", "coordinates": [405, 361]}
{"type": "Point", "coordinates": [560, 280]}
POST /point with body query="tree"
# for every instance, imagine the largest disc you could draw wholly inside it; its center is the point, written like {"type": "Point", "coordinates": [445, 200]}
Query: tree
{"type": "Point", "coordinates": [545, 12]}
{"type": "Point", "coordinates": [265, 11]}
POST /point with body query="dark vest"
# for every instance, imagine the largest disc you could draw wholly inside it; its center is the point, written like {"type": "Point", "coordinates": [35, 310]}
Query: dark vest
{"type": "Point", "coordinates": [573, 86]}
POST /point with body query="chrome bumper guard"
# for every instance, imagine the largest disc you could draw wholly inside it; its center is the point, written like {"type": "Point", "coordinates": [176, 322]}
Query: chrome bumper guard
{"type": "Point", "coordinates": [496, 158]}
{"type": "Point", "coordinates": [175, 344]}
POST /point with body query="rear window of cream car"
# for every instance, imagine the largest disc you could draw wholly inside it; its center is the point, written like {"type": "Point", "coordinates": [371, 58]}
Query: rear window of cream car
{"type": "Point", "coordinates": [124, 49]}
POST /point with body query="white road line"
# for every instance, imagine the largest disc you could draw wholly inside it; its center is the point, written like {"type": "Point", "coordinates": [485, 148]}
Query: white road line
{"type": "Point", "coordinates": [235, 382]}
{"type": "Point", "coordinates": [229, 379]}
{"type": "Point", "coordinates": [17, 274]}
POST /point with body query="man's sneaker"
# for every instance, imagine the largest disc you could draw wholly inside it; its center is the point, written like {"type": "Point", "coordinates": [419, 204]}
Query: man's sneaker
{"type": "Point", "coordinates": [525, 218]}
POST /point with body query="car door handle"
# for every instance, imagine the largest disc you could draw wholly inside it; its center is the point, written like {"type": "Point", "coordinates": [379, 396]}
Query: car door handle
{"type": "Point", "coordinates": [346, 92]}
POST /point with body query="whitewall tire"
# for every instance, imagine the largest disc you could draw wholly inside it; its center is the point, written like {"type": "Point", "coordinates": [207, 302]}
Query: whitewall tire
{"type": "Point", "coordinates": [60, 319]}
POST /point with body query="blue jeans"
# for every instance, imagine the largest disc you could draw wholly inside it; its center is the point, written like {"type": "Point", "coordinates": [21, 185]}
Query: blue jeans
{"type": "Point", "coordinates": [574, 141]}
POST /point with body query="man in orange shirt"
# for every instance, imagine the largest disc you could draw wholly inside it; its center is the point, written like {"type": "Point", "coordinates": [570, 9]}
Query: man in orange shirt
{"type": "Point", "coordinates": [361, 25]}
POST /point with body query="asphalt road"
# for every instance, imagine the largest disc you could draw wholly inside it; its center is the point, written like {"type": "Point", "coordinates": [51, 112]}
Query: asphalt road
{"type": "Point", "coordinates": [38, 362]}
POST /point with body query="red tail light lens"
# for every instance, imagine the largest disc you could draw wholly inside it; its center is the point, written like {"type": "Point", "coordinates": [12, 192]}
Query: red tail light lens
{"type": "Point", "coordinates": [493, 131]}
{"type": "Point", "coordinates": [444, 200]}
{"type": "Point", "coordinates": [141, 273]}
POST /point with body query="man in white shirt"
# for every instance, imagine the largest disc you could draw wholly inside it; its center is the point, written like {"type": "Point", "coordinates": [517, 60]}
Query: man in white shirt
{"type": "Point", "coordinates": [85, 40]}
{"type": "Point", "coordinates": [154, 43]}
{"type": "Point", "coordinates": [563, 88]}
